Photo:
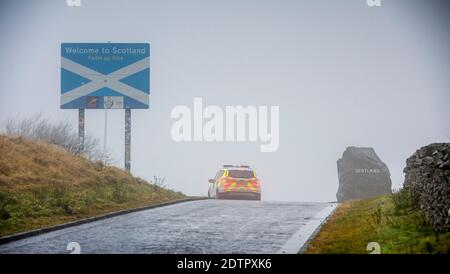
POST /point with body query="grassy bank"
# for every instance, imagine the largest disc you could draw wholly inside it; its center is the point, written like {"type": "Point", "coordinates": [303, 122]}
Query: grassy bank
{"type": "Point", "coordinates": [43, 185]}
{"type": "Point", "coordinates": [391, 221]}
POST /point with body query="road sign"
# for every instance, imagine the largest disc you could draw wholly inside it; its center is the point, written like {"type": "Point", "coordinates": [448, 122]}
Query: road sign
{"type": "Point", "coordinates": [97, 75]}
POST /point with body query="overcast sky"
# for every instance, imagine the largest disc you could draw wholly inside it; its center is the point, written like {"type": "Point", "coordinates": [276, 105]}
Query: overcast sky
{"type": "Point", "coordinates": [343, 73]}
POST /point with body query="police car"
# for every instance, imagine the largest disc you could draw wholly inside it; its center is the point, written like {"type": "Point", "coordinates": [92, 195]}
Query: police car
{"type": "Point", "coordinates": [235, 182]}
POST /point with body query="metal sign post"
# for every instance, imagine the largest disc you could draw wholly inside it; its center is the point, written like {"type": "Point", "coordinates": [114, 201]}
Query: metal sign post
{"type": "Point", "coordinates": [81, 130]}
{"type": "Point", "coordinates": [109, 103]}
{"type": "Point", "coordinates": [105, 136]}
{"type": "Point", "coordinates": [127, 139]}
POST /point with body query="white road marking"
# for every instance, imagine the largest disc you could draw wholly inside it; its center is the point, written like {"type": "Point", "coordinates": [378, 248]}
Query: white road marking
{"type": "Point", "coordinates": [300, 238]}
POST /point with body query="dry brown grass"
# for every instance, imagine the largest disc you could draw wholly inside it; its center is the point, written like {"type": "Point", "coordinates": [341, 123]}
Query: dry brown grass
{"type": "Point", "coordinates": [43, 185]}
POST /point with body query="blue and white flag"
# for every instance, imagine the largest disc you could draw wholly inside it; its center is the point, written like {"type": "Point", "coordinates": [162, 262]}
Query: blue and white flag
{"type": "Point", "coordinates": [105, 75]}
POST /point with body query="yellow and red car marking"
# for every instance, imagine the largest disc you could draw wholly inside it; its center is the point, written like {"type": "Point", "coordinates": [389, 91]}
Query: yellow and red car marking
{"type": "Point", "coordinates": [227, 184]}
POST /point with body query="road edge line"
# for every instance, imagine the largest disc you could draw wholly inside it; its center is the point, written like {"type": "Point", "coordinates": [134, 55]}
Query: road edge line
{"type": "Point", "coordinates": [301, 239]}
{"type": "Point", "coordinates": [39, 231]}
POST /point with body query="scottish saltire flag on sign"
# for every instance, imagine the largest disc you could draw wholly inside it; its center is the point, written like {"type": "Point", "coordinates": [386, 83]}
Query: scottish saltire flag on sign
{"type": "Point", "coordinates": [105, 75]}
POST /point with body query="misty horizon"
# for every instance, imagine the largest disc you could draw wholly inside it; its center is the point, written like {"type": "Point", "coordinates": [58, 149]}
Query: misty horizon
{"type": "Point", "coordinates": [347, 75]}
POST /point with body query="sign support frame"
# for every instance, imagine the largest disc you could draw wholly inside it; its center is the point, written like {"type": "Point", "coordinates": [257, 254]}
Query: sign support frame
{"type": "Point", "coordinates": [86, 83]}
{"type": "Point", "coordinates": [105, 136]}
{"type": "Point", "coordinates": [81, 119]}
{"type": "Point", "coordinates": [128, 139]}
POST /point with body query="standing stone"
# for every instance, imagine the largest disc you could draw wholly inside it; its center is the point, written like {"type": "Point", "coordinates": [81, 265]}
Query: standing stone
{"type": "Point", "coordinates": [362, 174]}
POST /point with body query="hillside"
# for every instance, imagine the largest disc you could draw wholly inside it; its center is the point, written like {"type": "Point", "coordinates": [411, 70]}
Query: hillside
{"type": "Point", "coordinates": [43, 185]}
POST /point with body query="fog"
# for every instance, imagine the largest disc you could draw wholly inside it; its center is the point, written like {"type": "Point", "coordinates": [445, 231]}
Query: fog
{"type": "Point", "coordinates": [342, 73]}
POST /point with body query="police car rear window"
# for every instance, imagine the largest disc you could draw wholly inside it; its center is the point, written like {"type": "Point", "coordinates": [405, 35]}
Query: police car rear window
{"type": "Point", "coordinates": [240, 173]}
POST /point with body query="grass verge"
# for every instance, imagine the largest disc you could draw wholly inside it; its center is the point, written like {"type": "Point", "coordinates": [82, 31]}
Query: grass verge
{"type": "Point", "coordinates": [391, 221]}
{"type": "Point", "coordinates": [42, 185]}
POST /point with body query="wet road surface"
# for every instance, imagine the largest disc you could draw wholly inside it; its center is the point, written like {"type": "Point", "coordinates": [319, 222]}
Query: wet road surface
{"type": "Point", "coordinates": [206, 226]}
